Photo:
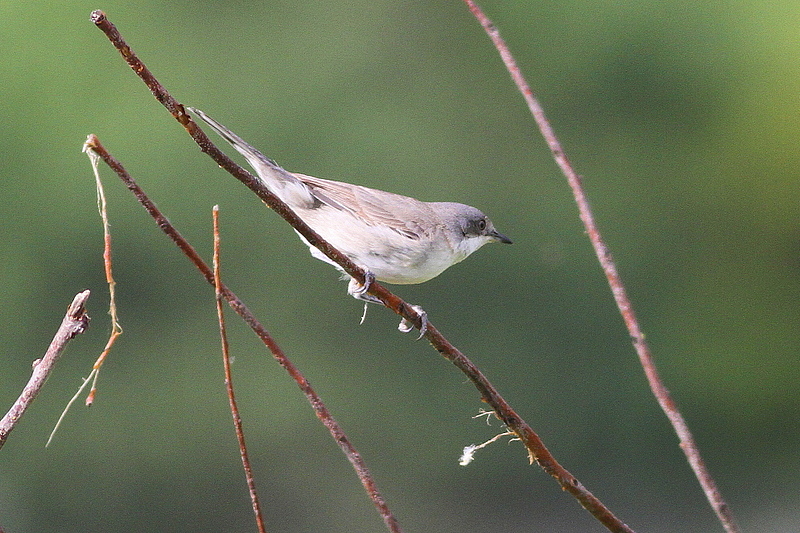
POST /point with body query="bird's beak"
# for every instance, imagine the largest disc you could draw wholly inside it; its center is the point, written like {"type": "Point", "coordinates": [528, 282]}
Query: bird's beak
{"type": "Point", "coordinates": [496, 235]}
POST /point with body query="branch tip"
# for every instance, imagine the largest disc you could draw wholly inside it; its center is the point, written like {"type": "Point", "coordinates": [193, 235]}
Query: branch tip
{"type": "Point", "coordinates": [97, 16]}
{"type": "Point", "coordinates": [75, 322]}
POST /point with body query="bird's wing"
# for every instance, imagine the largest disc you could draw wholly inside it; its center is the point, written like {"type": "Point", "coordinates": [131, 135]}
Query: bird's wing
{"type": "Point", "coordinates": [370, 205]}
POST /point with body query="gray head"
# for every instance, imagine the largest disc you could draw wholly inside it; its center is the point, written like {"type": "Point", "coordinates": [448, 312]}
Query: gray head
{"type": "Point", "coordinates": [471, 228]}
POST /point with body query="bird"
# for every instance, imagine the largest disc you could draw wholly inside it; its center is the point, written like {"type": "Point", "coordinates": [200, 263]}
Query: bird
{"type": "Point", "coordinates": [396, 239]}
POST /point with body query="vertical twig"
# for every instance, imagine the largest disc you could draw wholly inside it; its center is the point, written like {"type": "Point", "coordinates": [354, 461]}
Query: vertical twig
{"type": "Point", "coordinates": [668, 405]}
{"type": "Point", "coordinates": [226, 363]}
{"type": "Point", "coordinates": [75, 322]}
{"type": "Point", "coordinates": [116, 329]}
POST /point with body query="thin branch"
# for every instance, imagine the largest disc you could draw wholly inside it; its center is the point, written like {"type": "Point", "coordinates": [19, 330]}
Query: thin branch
{"type": "Point", "coordinates": [668, 405]}
{"type": "Point", "coordinates": [537, 451]}
{"type": "Point", "coordinates": [75, 322]}
{"type": "Point", "coordinates": [226, 363]}
{"type": "Point", "coordinates": [116, 329]}
{"type": "Point", "coordinates": [244, 312]}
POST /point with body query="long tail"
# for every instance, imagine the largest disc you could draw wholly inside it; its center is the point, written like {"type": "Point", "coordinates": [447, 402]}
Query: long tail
{"type": "Point", "coordinates": [277, 179]}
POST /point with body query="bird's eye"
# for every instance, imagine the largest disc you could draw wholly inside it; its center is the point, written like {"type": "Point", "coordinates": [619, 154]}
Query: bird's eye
{"type": "Point", "coordinates": [482, 224]}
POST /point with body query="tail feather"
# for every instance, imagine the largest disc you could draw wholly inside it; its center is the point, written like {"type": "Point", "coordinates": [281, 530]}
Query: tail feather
{"type": "Point", "coordinates": [278, 180]}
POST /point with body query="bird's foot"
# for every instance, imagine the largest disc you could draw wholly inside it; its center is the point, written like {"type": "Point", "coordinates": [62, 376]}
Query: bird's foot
{"type": "Point", "coordinates": [359, 292]}
{"type": "Point", "coordinates": [406, 325]}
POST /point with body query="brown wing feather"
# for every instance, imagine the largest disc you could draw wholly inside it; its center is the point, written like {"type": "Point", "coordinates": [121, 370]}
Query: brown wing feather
{"type": "Point", "coordinates": [370, 204]}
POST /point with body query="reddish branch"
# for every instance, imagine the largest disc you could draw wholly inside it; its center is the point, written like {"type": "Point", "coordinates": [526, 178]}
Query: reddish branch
{"type": "Point", "coordinates": [536, 448]}
{"type": "Point", "coordinates": [75, 322]}
{"type": "Point", "coordinates": [668, 405]}
{"type": "Point", "coordinates": [226, 363]}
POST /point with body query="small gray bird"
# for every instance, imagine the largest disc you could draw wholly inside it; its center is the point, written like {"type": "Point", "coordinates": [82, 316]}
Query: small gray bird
{"type": "Point", "coordinates": [395, 238]}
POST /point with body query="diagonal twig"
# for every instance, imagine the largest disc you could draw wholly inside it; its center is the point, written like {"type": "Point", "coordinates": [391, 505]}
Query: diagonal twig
{"type": "Point", "coordinates": [537, 451]}
{"type": "Point", "coordinates": [668, 405]}
{"type": "Point", "coordinates": [75, 322]}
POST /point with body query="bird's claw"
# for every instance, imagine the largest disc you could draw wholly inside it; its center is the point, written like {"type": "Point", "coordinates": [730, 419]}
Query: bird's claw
{"type": "Point", "coordinates": [406, 325]}
{"type": "Point", "coordinates": [359, 290]}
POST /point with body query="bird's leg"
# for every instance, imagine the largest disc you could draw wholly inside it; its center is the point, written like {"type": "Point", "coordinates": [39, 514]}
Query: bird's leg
{"type": "Point", "coordinates": [406, 325]}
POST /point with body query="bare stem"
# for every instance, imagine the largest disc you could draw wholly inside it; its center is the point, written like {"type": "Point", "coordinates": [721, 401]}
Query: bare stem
{"type": "Point", "coordinates": [75, 322]}
{"type": "Point", "coordinates": [226, 363]}
{"type": "Point", "coordinates": [537, 451]}
{"type": "Point", "coordinates": [244, 312]}
{"type": "Point", "coordinates": [668, 405]}
{"type": "Point", "coordinates": [116, 329]}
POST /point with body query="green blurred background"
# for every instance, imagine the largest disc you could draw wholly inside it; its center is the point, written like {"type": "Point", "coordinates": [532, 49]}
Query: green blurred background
{"type": "Point", "coordinates": [681, 116]}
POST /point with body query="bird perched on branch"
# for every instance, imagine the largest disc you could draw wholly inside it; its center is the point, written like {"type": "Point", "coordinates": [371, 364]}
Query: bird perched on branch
{"type": "Point", "coordinates": [394, 238]}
